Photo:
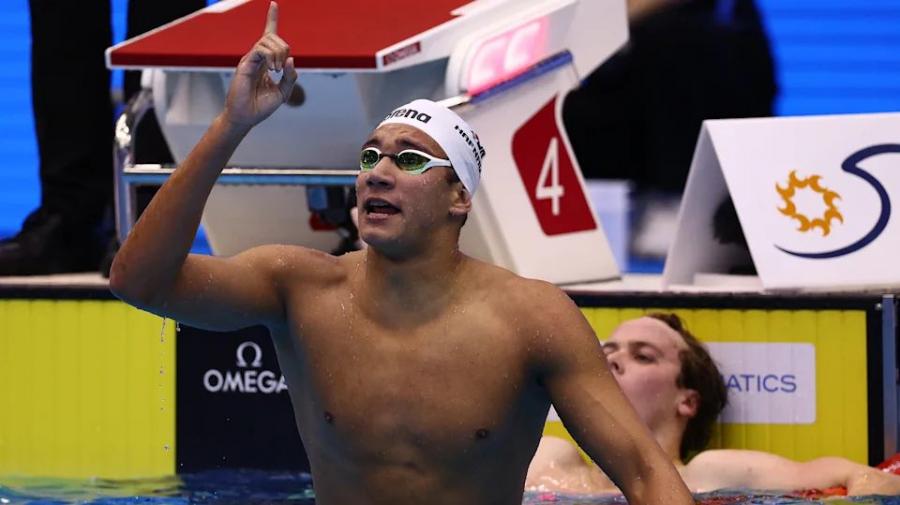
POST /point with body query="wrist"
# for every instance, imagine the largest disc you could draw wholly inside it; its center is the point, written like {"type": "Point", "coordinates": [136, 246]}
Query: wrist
{"type": "Point", "coordinates": [230, 127]}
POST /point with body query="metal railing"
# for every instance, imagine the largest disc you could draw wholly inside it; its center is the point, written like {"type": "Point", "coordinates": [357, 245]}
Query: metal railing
{"type": "Point", "coordinates": [129, 175]}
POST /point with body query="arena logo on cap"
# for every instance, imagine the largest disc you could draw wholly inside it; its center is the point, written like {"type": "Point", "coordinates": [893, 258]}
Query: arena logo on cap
{"type": "Point", "coordinates": [409, 113]}
{"type": "Point", "coordinates": [246, 379]}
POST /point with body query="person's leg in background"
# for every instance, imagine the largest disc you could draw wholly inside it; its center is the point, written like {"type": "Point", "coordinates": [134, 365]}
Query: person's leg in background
{"type": "Point", "coordinates": [73, 114]}
{"type": "Point", "coordinates": [73, 125]}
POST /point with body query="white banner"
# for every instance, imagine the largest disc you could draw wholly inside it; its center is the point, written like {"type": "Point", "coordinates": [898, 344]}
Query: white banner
{"type": "Point", "coordinates": [813, 195]}
{"type": "Point", "coordinates": [768, 383]}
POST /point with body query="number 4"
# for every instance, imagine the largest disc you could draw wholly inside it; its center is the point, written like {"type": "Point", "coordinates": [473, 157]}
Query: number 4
{"type": "Point", "coordinates": [554, 191]}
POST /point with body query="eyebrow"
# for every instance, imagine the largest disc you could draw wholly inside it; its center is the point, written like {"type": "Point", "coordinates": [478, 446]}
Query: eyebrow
{"type": "Point", "coordinates": [613, 346]}
{"type": "Point", "coordinates": [373, 140]}
{"type": "Point", "coordinates": [404, 142]}
{"type": "Point", "coordinates": [415, 145]}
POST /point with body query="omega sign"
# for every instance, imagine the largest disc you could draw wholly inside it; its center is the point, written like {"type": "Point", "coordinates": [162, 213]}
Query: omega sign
{"type": "Point", "coordinates": [248, 377]}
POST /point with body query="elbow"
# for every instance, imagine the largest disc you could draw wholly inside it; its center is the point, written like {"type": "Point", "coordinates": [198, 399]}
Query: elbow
{"type": "Point", "coordinates": [118, 279]}
{"type": "Point", "coordinates": [126, 286]}
{"type": "Point", "coordinates": [119, 284]}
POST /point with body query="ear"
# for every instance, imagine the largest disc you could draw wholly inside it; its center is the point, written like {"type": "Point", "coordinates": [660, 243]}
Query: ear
{"type": "Point", "coordinates": [688, 403]}
{"type": "Point", "coordinates": [461, 200]}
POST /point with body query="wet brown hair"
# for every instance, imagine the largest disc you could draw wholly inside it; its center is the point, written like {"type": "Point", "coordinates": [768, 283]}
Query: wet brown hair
{"type": "Point", "coordinates": [700, 373]}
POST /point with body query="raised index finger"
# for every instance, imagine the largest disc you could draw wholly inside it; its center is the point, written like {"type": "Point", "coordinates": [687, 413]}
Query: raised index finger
{"type": "Point", "coordinates": [272, 19]}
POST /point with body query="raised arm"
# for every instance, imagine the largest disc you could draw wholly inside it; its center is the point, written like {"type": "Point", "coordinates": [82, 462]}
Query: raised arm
{"type": "Point", "coordinates": [153, 269]}
{"type": "Point", "coordinates": [573, 369]}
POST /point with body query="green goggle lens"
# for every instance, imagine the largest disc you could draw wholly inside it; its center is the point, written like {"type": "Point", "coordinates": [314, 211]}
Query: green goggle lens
{"type": "Point", "coordinates": [409, 160]}
{"type": "Point", "coordinates": [368, 159]}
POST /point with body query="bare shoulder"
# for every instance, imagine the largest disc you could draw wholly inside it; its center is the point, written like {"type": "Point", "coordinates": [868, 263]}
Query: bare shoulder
{"type": "Point", "coordinates": [528, 299]}
{"type": "Point", "coordinates": [544, 315]}
{"type": "Point", "coordinates": [547, 310]}
{"type": "Point", "coordinates": [295, 263]}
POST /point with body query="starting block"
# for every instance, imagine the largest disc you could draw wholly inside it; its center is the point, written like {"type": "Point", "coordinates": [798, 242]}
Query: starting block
{"type": "Point", "coordinates": [504, 65]}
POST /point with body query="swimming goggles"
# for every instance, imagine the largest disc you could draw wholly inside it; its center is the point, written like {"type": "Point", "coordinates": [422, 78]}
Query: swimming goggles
{"type": "Point", "coordinates": [408, 160]}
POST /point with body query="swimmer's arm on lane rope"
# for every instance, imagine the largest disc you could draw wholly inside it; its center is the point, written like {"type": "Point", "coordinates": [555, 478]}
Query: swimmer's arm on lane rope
{"type": "Point", "coordinates": [572, 366]}
{"type": "Point", "coordinates": [153, 269]}
{"type": "Point", "coordinates": [732, 468]}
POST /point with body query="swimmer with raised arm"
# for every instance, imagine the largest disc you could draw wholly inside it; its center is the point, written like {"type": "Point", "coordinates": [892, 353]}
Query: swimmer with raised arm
{"type": "Point", "coordinates": [417, 374]}
{"type": "Point", "coordinates": [678, 392]}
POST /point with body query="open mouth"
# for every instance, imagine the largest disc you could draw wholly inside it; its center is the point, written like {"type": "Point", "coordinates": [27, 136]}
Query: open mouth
{"type": "Point", "coordinates": [379, 206]}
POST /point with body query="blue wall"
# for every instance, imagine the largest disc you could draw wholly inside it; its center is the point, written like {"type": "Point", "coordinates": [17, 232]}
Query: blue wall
{"type": "Point", "coordinates": [833, 56]}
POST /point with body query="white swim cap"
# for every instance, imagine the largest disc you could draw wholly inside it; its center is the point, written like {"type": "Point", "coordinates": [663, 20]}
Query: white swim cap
{"type": "Point", "coordinates": [450, 131]}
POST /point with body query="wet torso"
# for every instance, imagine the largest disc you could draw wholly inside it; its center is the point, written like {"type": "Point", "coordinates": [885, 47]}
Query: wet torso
{"type": "Point", "coordinates": [443, 408]}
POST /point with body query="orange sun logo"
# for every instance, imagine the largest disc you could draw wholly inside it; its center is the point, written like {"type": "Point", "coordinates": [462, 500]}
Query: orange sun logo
{"type": "Point", "coordinates": [828, 197]}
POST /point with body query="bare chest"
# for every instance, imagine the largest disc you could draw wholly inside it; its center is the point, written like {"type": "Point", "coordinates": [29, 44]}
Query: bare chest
{"type": "Point", "coordinates": [457, 384]}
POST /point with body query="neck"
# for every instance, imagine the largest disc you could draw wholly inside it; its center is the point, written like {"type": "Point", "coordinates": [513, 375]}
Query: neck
{"type": "Point", "coordinates": [416, 285]}
{"type": "Point", "coordinates": [669, 438]}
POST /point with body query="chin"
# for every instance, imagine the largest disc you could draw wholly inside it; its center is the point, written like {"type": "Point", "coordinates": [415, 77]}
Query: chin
{"type": "Point", "coordinates": [389, 245]}
{"type": "Point", "coordinates": [380, 240]}
{"type": "Point", "coordinates": [374, 235]}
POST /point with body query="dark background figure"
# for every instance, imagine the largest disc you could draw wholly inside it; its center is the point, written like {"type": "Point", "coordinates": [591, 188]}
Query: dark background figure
{"type": "Point", "coordinates": [637, 117]}
{"type": "Point", "coordinates": [71, 230]}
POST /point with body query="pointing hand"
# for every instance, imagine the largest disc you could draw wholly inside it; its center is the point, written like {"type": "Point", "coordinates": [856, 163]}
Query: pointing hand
{"type": "Point", "coordinates": [263, 79]}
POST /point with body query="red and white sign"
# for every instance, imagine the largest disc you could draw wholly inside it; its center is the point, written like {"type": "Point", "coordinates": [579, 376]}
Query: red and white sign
{"type": "Point", "coordinates": [545, 163]}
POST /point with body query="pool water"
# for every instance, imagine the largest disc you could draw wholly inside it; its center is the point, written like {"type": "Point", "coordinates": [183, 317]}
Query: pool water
{"type": "Point", "coordinates": [231, 487]}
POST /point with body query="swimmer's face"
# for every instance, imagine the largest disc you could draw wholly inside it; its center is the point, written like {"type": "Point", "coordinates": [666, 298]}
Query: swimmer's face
{"type": "Point", "coordinates": [396, 206]}
{"type": "Point", "coordinates": [643, 357]}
